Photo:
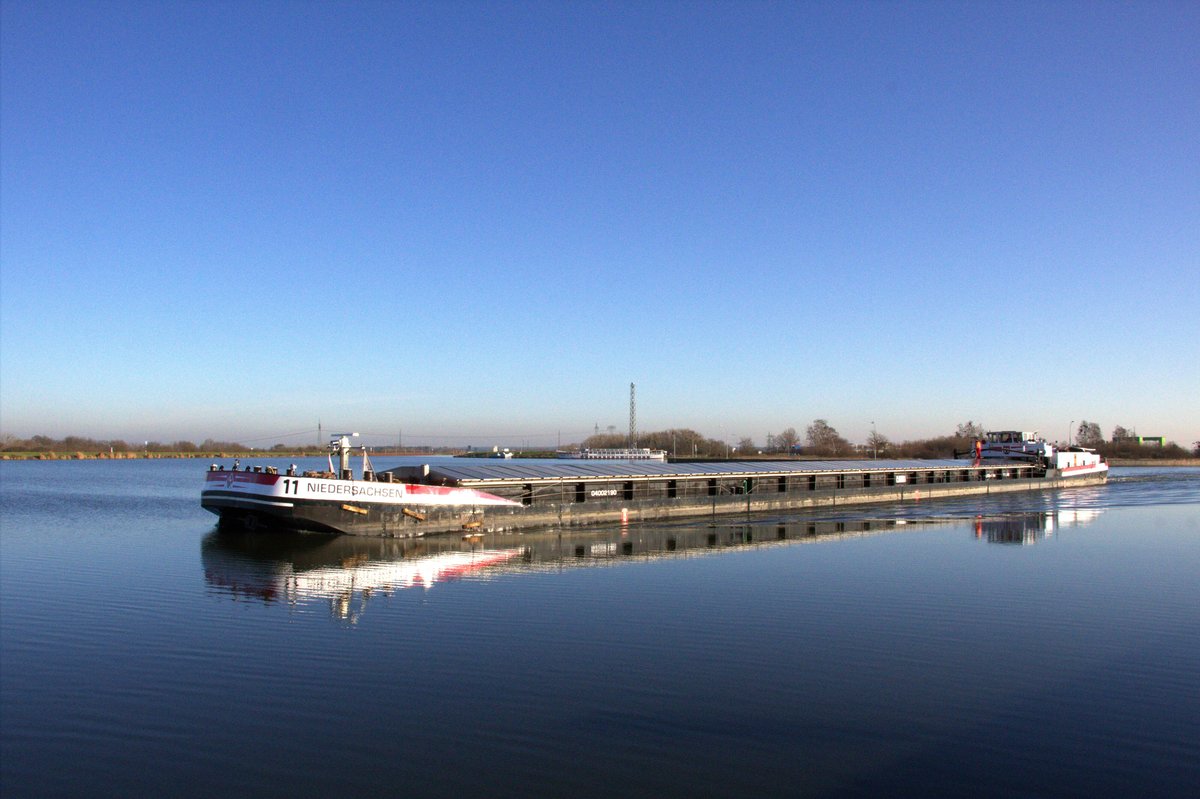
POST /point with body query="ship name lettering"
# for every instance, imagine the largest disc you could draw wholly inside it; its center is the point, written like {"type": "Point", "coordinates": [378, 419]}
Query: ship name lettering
{"type": "Point", "coordinates": [319, 487]}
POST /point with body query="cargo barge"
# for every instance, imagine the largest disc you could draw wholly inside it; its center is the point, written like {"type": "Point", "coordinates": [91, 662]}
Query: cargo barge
{"type": "Point", "coordinates": [470, 496]}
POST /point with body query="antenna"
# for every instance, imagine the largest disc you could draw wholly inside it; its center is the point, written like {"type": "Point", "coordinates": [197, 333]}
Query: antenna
{"type": "Point", "coordinates": [632, 415]}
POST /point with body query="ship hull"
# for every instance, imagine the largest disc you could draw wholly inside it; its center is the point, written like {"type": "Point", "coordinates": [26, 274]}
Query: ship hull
{"type": "Point", "coordinates": [408, 510]}
{"type": "Point", "coordinates": [255, 500]}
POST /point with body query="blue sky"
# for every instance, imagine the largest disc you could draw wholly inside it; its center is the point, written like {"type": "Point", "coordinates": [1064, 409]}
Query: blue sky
{"type": "Point", "coordinates": [479, 222]}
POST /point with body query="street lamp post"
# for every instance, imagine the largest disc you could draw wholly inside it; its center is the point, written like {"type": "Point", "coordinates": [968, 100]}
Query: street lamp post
{"type": "Point", "coordinates": [1069, 429]}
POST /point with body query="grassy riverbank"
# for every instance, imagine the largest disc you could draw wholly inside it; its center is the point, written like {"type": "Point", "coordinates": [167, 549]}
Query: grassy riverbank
{"type": "Point", "coordinates": [122, 456]}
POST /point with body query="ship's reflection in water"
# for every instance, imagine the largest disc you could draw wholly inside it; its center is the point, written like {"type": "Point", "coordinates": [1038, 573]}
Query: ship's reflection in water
{"type": "Point", "coordinates": [1029, 528]}
{"type": "Point", "coordinates": [345, 571]}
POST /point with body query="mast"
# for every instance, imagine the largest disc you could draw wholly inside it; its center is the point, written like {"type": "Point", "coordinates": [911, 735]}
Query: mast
{"type": "Point", "coordinates": [340, 444]}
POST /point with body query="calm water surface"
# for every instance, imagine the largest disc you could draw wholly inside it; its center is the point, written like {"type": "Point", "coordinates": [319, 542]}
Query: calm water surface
{"type": "Point", "coordinates": [1043, 644]}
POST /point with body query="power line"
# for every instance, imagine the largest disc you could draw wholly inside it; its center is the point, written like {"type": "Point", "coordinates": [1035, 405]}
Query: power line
{"type": "Point", "coordinates": [280, 435]}
{"type": "Point", "coordinates": [477, 436]}
{"type": "Point", "coordinates": [554, 435]}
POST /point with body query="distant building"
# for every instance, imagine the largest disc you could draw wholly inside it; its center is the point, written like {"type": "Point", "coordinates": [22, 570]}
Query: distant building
{"type": "Point", "coordinates": [1144, 441]}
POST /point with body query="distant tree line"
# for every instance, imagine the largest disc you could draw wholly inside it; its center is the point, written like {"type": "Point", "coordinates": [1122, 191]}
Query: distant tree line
{"type": "Point", "coordinates": [94, 446]}
{"type": "Point", "coordinates": [1125, 443]}
{"type": "Point", "coordinates": [676, 442]}
{"type": "Point", "coordinates": [820, 440]}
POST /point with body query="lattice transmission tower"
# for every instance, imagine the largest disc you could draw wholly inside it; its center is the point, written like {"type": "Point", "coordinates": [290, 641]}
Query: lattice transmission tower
{"type": "Point", "coordinates": [633, 436]}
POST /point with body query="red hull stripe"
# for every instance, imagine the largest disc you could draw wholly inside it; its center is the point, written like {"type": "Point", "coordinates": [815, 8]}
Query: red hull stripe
{"type": "Point", "coordinates": [1084, 466]}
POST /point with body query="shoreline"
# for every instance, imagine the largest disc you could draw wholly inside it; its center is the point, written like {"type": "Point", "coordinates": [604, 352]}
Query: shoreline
{"type": "Point", "coordinates": [130, 456]}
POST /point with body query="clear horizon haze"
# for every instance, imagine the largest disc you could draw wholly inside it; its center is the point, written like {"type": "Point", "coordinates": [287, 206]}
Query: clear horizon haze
{"type": "Point", "coordinates": [478, 223]}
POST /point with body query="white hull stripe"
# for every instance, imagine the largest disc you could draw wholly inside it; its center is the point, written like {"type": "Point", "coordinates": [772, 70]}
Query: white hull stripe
{"type": "Point", "coordinates": [250, 485]}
